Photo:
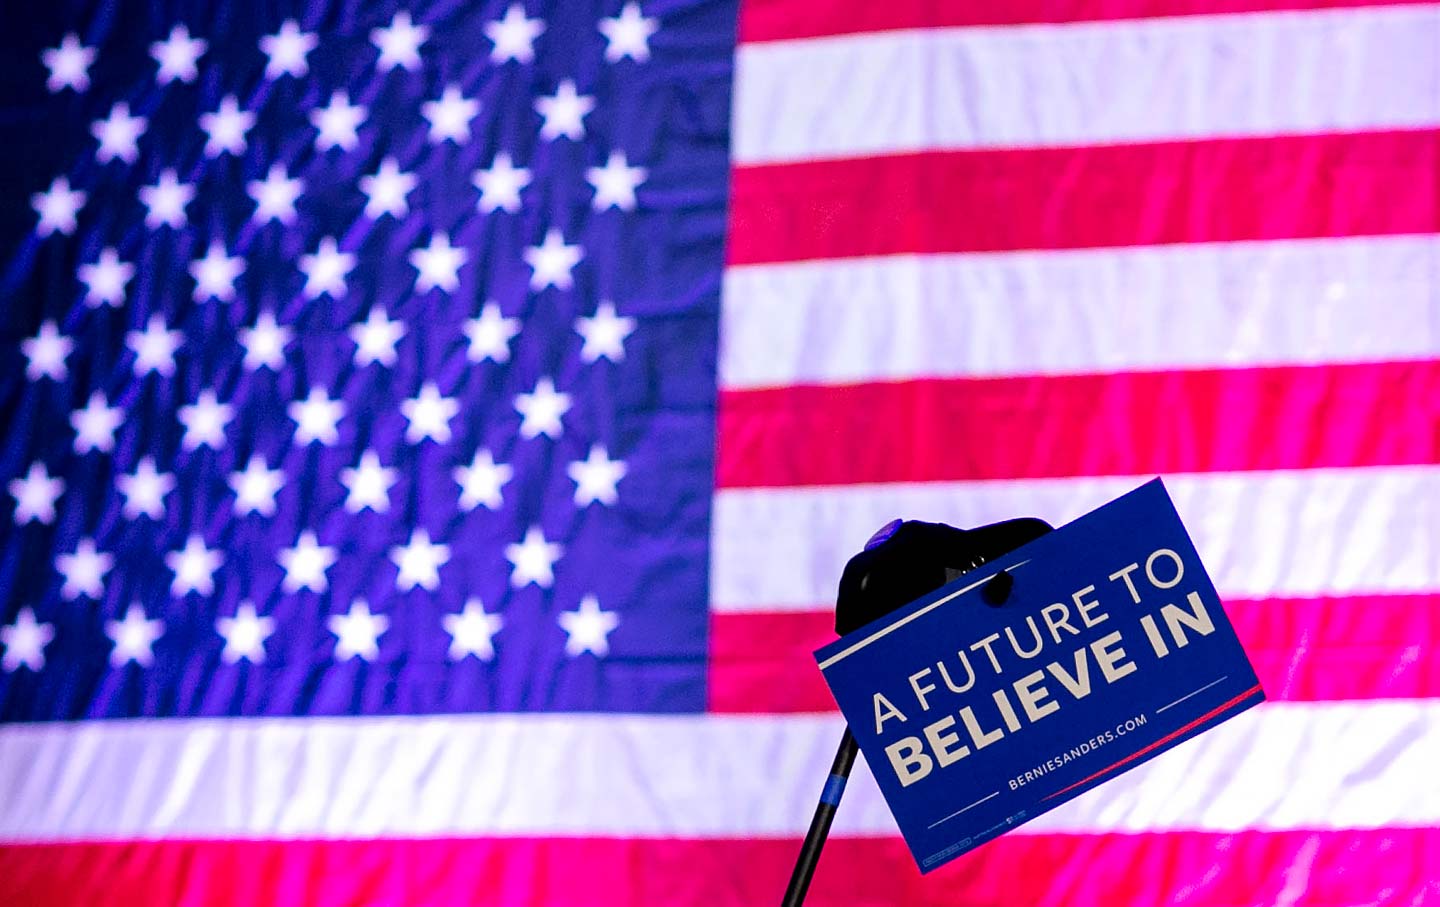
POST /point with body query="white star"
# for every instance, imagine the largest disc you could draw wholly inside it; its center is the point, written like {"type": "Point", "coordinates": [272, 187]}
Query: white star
{"type": "Point", "coordinates": [628, 34]}
{"type": "Point", "coordinates": [57, 207]}
{"type": "Point", "coordinates": [95, 424]}
{"type": "Point", "coordinates": [145, 490]}
{"type": "Point", "coordinates": [482, 480]}
{"type": "Point", "coordinates": [399, 43]}
{"type": "Point", "coordinates": [69, 64]}
{"type": "Point", "coordinates": [604, 333]}
{"type": "Point", "coordinates": [316, 417]}
{"type": "Point", "coordinates": [386, 190]}
{"type": "Point", "coordinates": [245, 634]}
{"type": "Point", "coordinates": [337, 123]}
{"type": "Point", "coordinates": [215, 274]}
{"type": "Point", "coordinates": [226, 128]}
{"type": "Point", "coordinates": [533, 560]}
{"type": "Point", "coordinates": [275, 196]}
{"type": "Point", "coordinates": [154, 348]}
{"type": "Point", "coordinates": [472, 631]}
{"type": "Point", "coordinates": [419, 562]}
{"type": "Point", "coordinates": [265, 343]}
{"type": "Point", "coordinates": [375, 338]}
{"type": "Point", "coordinates": [369, 484]}
{"type": "Point", "coordinates": [541, 410]}
{"type": "Point", "coordinates": [325, 271]}
{"type": "Point", "coordinates": [587, 628]}
{"type": "Point", "coordinates": [165, 201]}
{"type": "Point", "coordinates": [615, 183]}
{"type": "Point", "coordinates": [194, 567]}
{"type": "Point", "coordinates": [358, 632]}
{"type": "Point", "coordinates": [564, 112]}
{"type": "Point", "coordinates": [256, 487]}
{"type": "Point", "coordinates": [439, 264]}
{"type": "Point", "coordinates": [595, 477]}
{"type": "Point", "coordinates": [552, 261]}
{"type": "Point", "coordinates": [45, 353]}
{"type": "Point", "coordinates": [84, 570]}
{"type": "Point", "coordinates": [501, 184]}
{"type": "Point", "coordinates": [105, 280]}
{"type": "Point", "coordinates": [177, 56]}
{"type": "Point", "coordinates": [118, 135]}
{"type": "Point", "coordinates": [205, 422]}
{"type": "Point", "coordinates": [134, 637]}
{"type": "Point", "coordinates": [25, 641]}
{"type": "Point", "coordinates": [287, 50]}
{"type": "Point", "coordinates": [490, 334]}
{"type": "Point", "coordinates": [514, 36]}
{"type": "Point", "coordinates": [429, 415]}
{"type": "Point", "coordinates": [35, 495]}
{"type": "Point", "coordinates": [305, 564]}
{"type": "Point", "coordinates": [450, 116]}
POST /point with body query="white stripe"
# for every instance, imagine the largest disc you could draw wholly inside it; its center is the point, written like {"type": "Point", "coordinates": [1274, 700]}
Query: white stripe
{"type": "Point", "coordinates": [1087, 83]}
{"type": "Point", "coordinates": [1228, 304]}
{"type": "Point", "coordinates": [1287, 765]}
{"type": "Point", "coordinates": [1260, 534]}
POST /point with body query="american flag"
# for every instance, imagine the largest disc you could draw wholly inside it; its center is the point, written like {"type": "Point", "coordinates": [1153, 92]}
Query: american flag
{"type": "Point", "coordinates": [432, 434]}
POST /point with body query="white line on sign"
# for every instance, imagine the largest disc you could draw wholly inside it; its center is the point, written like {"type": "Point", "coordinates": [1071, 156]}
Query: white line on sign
{"type": "Point", "coordinates": [1188, 695]}
{"type": "Point", "coordinates": [959, 811]}
{"type": "Point", "coordinates": [925, 610]}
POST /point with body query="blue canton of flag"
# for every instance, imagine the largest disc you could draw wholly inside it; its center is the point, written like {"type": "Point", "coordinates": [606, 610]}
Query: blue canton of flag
{"type": "Point", "coordinates": [360, 359]}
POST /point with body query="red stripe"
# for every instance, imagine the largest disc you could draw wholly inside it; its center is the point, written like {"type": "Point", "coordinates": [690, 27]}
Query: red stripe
{"type": "Point", "coordinates": [1180, 732]}
{"type": "Point", "coordinates": [1279, 187]}
{"type": "Point", "coordinates": [1366, 647]}
{"type": "Point", "coordinates": [1320, 868]}
{"type": "Point", "coordinates": [778, 20]}
{"type": "Point", "coordinates": [1131, 423]}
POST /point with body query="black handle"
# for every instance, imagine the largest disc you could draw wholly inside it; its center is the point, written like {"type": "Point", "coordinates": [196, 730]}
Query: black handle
{"type": "Point", "coordinates": [820, 824]}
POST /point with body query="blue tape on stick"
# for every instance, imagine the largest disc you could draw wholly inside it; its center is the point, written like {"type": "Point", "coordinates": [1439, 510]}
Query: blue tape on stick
{"type": "Point", "coordinates": [834, 787]}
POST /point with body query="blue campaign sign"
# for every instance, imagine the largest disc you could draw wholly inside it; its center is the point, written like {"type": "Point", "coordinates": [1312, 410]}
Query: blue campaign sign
{"type": "Point", "coordinates": [1111, 648]}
